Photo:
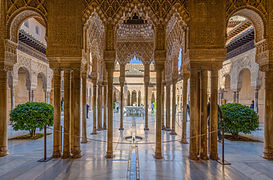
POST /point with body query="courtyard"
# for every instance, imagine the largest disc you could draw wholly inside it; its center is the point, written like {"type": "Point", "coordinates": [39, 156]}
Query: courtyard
{"type": "Point", "coordinates": [245, 157]}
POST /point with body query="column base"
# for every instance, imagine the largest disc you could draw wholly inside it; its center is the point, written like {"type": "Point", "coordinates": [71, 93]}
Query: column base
{"type": "Point", "coordinates": [77, 155]}
{"type": "Point", "coordinates": [57, 154]}
{"type": "Point", "coordinates": [163, 128]}
{"type": "Point", "coordinates": [213, 157]}
{"type": "Point", "coordinates": [268, 156]}
{"type": "Point", "coordinates": [121, 129]}
{"type": "Point", "coordinates": [3, 153]}
{"type": "Point", "coordinates": [66, 155]}
{"type": "Point", "coordinates": [158, 156]}
{"type": "Point", "coordinates": [204, 157]}
{"type": "Point", "coordinates": [173, 133]}
{"type": "Point", "coordinates": [100, 129]}
{"type": "Point", "coordinates": [109, 155]}
{"type": "Point", "coordinates": [84, 140]}
{"type": "Point", "coordinates": [184, 141]}
{"type": "Point", "coordinates": [193, 157]}
{"type": "Point", "coordinates": [146, 129]}
{"type": "Point", "coordinates": [168, 129]}
{"type": "Point", "coordinates": [94, 133]}
{"type": "Point", "coordinates": [104, 127]}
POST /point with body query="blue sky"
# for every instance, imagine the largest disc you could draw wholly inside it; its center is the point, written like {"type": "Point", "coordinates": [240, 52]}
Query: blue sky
{"type": "Point", "coordinates": [179, 59]}
{"type": "Point", "coordinates": [134, 60]}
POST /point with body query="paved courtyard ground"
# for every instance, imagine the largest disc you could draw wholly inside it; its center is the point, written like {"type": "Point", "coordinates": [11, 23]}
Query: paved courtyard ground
{"type": "Point", "coordinates": [245, 158]}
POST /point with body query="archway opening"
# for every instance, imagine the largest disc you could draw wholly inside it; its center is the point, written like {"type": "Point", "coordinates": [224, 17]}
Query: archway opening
{"type": "Point", "coordinates": [40, 89]}
{"type": "Point", "coordinates": [22, 89]}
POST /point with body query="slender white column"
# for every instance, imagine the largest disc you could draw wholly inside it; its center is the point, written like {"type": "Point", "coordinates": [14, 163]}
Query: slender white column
{"type": "Point", "coordinates": [3, 112]}
{"type": "Point", "coordinates": [57, 114]}
{"type": "Point", "coordinates": [67, 123]}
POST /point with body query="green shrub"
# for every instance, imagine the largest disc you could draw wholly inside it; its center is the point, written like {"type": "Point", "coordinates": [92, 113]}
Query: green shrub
{"type": "Point", "coordinates": [239, 118]}
{"type": "Point", "coordinates": [31, 116]}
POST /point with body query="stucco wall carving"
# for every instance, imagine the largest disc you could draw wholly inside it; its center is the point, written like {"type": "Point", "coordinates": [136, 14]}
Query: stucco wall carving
{"type": "Point", "coordinates": [234, 66]}
{"type": "Point", "coordinates": [34, 67]}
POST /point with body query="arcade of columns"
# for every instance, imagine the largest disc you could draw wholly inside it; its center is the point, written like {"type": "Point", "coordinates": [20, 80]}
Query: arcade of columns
{"type": "Point", "coordinates": [80, 49]}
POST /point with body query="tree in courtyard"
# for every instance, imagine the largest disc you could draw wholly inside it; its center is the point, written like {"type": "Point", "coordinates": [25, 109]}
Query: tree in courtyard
{"type": "Point", "coordinates": [238, 118]}
{"type": "Point", "coordinates": [32, 116]}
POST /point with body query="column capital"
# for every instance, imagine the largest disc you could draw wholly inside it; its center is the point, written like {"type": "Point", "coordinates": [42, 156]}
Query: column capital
{"type": "Point", "coordinates": [109, 65]}
{"type": "Point", "coordinates": [204, 58]}
{"type": "Point", "coordinates": [10, 55]}
{"type": "Point", "coordinates": [159, 65]}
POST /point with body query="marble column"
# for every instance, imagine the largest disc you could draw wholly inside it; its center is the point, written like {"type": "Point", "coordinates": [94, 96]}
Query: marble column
{"type": "Point", "coordinates": [184, 101]}
{"type": "Point", "coordinates": [121, 81]}
{"type": "Point", "coordinates": [72, 110]}
{"type": "Point", "coordinates": [76, 152]}
{"type": "Point", "coordinates": [67, 123]}
{"type": "Point", "coordinates": [213, 115]}
{"type": "Point", "coordinates": [193, 114]}
{"type": "Point", "coordinates": [57, 114]}
{"type": "Point", "coordinates": [99, 106]}
{"type": "Point", "coordinates": [236, 96]}
{"type": "Point", "coordinates": [168, 106]}
{"type": "Point", "coordinates": [109, 153]}
{"type": "Point", "coordinates": [162, 103]}
{"type": "Point", "coordinates": [84, 109]}
{"type": "Point", "coordinates": [121, 105]}
{"type": "Point", "coordinates": [268, 119]}
{"type": "Point", "coordinates": [105, 107]}
{"type": "Point", "coordinates": [256, 100]}
{"type": "Point", "coordinates": [199, 112]}
{"type": "Point", "coordinates": [158, 149]}
{"type": "Point", "coordinates": [184, 124]}
{"type": "Point", "coordinates": [3, 112]}
{"type": "Point", "coordinates": [204, 99]}
{"type": "Point", "coordinates": [94, 81]}
{"type": "Point", "coordinates": [173, 108]}
{"type": "Point", "coordinates": [12, 97]}
{"type": "Point", "coordinates": [146, 86]}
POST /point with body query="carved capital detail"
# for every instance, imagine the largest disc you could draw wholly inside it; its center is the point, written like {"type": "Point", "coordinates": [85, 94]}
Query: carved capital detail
{"type": "Point", "coordinates": [10, 55]}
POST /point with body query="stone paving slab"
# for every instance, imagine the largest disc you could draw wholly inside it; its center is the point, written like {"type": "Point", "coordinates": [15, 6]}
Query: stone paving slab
{"type": "Point", "coordinates": [245, 158]}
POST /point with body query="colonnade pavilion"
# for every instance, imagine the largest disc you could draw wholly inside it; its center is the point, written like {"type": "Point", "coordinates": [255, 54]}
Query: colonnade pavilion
{"type": "Point", "coordinates": [189, 51]}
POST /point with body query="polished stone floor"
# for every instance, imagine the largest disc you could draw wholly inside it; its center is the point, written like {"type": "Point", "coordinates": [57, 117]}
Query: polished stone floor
{"type": "Point", "coordinates": [245, 158]}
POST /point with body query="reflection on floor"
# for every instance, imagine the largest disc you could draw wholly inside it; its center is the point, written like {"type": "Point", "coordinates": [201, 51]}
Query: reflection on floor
{"type": "Point", "coordinates": [245, 158]}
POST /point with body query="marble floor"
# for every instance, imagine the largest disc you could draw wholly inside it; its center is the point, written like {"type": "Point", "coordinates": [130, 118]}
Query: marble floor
{"type": "Point", "coordinates": [245, 158]}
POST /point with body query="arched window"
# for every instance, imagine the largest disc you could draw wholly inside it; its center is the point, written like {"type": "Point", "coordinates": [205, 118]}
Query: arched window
{"type": "Point", "coordinates": [37, 30]}
{"type": "Point", "coordinates": [26, 24]}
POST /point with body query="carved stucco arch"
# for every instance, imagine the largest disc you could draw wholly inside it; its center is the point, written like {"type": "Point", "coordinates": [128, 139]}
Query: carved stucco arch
{"type": "Point", "coordinates": [90, 8]}
{"type": "Point", "coordinates": [44, 79]}
{"type": "Point", "coordinates": [175, 42]}
{"type": "Point", "coordinates": [255, 16]}
{"type": "Point", "coordinates": [222, 73]}
{"type": "Point", "coordinates": [28, 77]}
{"type": "Point", "coordinates": [95, 35]}
{"type": "Point", "coordinates": [245, 62]}
{"type": "Point", "coordinates": [180, 12]}
{"type": "Point", "coordinates": [22, 62]}
{"type": "Point", "coordinates": [127, 50]}
{"type": "Point", "coordinates": [140, 9]}
{"type": "Point", "coordinates": [18, 17]}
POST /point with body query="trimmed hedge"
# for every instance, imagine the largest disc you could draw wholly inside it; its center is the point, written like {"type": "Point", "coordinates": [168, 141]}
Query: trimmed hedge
{"type": "Point", "coordinates": [239, 118]}
{"type": "Point", "coordinates": [31, 116]}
